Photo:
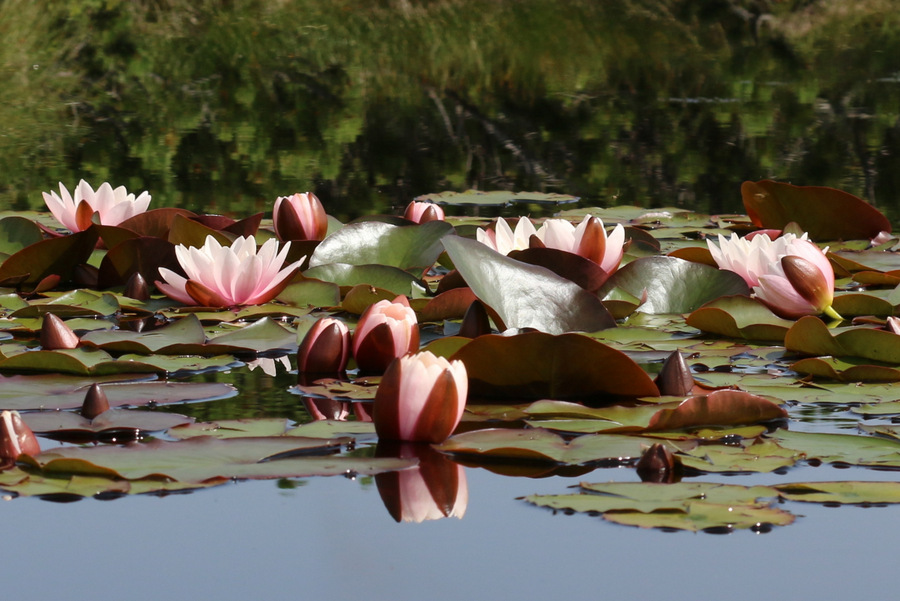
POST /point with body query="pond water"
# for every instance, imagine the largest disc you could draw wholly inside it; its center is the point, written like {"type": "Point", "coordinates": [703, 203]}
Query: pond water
{"type": "Point", "coordinates": [215, 132]}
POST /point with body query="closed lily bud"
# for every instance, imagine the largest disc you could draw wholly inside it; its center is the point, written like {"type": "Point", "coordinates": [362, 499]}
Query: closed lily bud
{"type": "Point", "coordinates": [16, 438]}
{"type": "Point", "coordinates": [325, 348]}
{"type": "Point", "coordinates": [136, 287]}
{"type": "Point", "coordinates": [95, 402]}
{"type": "Point", "coordinates": [659, 464]}
{"type": "Point", "coordinates": [55, 334]}
{"type": "Point", "coordinates": [675, 377]}
{"type": "Point", "coordinates": [421, 398]}
{"type": "Point", "coordinates": [300, 217]}
{"type": "Point", "coordinates": [476, 321]}
{"type": "Point", "coordinates": [422, 212]}
{"type": "Point", "coordinates": [386, 330]}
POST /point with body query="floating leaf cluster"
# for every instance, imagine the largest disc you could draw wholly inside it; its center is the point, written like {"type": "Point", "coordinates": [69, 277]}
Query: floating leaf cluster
{"type": "Point", "coordinates": [668, 365]}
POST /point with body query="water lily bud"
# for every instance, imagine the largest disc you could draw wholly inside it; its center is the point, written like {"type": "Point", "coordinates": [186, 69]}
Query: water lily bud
{"type": "Point", "coordinates": [675, 377]}
{"type": "Point", "coordinates": [111, 207]}
{"type": "Point", "coordinates": [386, 330]}
{"type": "Point", "coordinates": [325, 348]}
{"type": "Point", "coordinates": [808, 281]}
{"type": "Point", "coordinates": [475, 322]}
{"type": "Point", "coordinates": [16, 438]}
{"type": "Point", "coordinates": [436, 488]}
{"type": "Point", "coordinates": [300, 217]}
{"type": "Point", "coordinates": [136, 287]}
{"type": "Point", "coordinates": [95, 402]}
{"type": "Point", "coordinates": [659, 464]}
{"type": "Point", "coordinates": [55, 334]}
{"type": "Point", "coordinates": [421, 398]}
{"type": "Point", "coordinates": [422, 212]}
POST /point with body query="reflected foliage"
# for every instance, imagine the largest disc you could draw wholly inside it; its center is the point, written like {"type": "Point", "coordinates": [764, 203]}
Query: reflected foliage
{"type": "Point", "coordinates": [225, 106]}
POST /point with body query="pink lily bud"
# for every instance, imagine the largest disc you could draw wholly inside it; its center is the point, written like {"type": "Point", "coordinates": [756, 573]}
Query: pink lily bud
{"type": "Point", "coordinates": [16, 438]}
{"type": "Point", "coordinates": [436, 488]}
{"type": "Point", "coordinates": [325, 348]}
{"type": "Point", "coordinates": [421, 398]}
{"type": "Point", "coordinates": [386, 330]}
{"type": "Point", "coordinates": [300, 217]}
{"type": "Point", "coordinates": [675, 377]}
{"type": "Point", "coordinates": [422, 212]}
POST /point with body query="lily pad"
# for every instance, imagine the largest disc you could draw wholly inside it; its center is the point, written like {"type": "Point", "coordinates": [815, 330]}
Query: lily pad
{"type": "Point", "coordinates": [495, 198]}
{"type": "Point", "coordinates": [538, 365]}
{"type": "Point", "coordinates": [826, 213]}
{"type": "Point", "coordinates": [376, 243]}
{"type": "Point", "coordinates": [810, 336]}
{"type": "Point", "coordinates": [526, 296]}
{"type": "Point", "coordinates": [55, 256]}
{"type": "Point", "coordinates": [740, 317]}
{"type": "Point", "coordinates": [380, 276]}
{"type": "Point", "coordinates": [673, 285]}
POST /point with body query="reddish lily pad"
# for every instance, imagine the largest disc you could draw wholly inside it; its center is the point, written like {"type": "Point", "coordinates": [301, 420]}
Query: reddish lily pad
{"type": "Point", "coordinates": [143, 255]}
{"type": "Point", "coordinates": [575, 268]}
{"type": "Point", "coordinates": [719, 408]}
{"type": "Point", "coordinates": [55, 256]}
{"type": "Point", "coordinates": [526, 296]}
{"type": "Point", "coordinates": [826, 213]}
{"type": "Point", "coordinates": [538, 365]}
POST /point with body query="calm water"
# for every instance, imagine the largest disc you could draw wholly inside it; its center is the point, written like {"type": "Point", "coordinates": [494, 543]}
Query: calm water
{"type": "Point", "coordinates": [333, 539]}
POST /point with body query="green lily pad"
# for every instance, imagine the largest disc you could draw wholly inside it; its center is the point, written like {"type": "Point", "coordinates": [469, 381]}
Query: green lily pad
{"type": "Point", "coordinates": [844, 371]}
{"type": "Point", "coordinates": [311, 293]}
{"type": "Point", "coordinates": [376, 243]}
{"type": "Point", "coordinates": [674, 285]}
{"type": "Point", "coordinates": [759, 457]}
{"type": "Point", "coordinates": [501, 444]}
{"type": "Point", "coordinates": [810, 336]}
{"type": "Point", "coordinates": [846, 492]}
{"type": "Point", "coordinates": [127, 423]}
{"type": "Point", "coordinates": [386, 277]}
{"type": "Point", "coordinates": [71, 304]}
{"type": "Point", "coordinates": [691, 506]}
{"type": "Point", "coordinates": [739, 317]}
{"type": "Point", "coordinates": [495, 198]}
{"type": "Point", "coordinates": [538, 365]}
{"type": "Point", "coordinates": [841, 448]}
{"type": "Point", "coordinates": [526, 296]}
{"type": "Point", "coordinates": [826, 213]}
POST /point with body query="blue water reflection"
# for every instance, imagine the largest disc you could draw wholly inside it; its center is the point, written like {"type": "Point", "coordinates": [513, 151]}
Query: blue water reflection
{"type": "Point", "coordinates": [332, 538]}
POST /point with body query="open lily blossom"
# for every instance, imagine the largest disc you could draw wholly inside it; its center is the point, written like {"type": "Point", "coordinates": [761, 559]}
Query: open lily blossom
{"type": "Point", "coordinates": [385, 331]}
{"type": "Point", "coordinates": [791, 275]}
{"type": "Point", "coordinates": [503, 239]}
{"type": "Point", "coordinates": [300, 217]}
{"type": "Point", "coordinates": [422, 212]}
{"type": "Point", "coordinates": [112, 205]}
{"type": "Point", "coordinates": [227, 276]}
{"type": "Point", "coordinates": [421, 398]}
{"type": "Point", "coordinates": [588, 240]}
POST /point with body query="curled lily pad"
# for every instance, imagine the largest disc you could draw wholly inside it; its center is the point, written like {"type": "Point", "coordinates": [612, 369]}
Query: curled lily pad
{"type": "Point", "coordinates": [811, 336]}
{"type": "Point", "coordinates": [55, 256]}
{"type": "Point", "coordinates": [526, 296]}
{"type": "Point", "coordinates": [377, 243]}
{"type": "Point", "coordinates": [81, 303]}
{"type": "Point", "coordinates": [537, 365]}
{"type": "Point", "coordinates": [836, 369]}
{"type": "Point", "coordinates": [826, 213]}
{"type": "Point", "coordinates": [16, 233]}
{"type": "Point", "coordinates": [673, 285]}
{"type": "Point", "coordinates": [739, 317]}
{"type": "Point", "coordinates": [719, 408]}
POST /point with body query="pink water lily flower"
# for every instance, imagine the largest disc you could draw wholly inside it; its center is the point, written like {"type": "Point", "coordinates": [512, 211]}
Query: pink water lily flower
{"type": "Point", "coordinates": [112, 206]}
{"type": "Point", "coordinates": [791, 275]}
{"type": "Point", "coordinates": [421, 398]}
{"type": "Point", "coordinates": [588, 240]}
{"type": "Point", "coordinates": [503, 239]}
{"type": "Point", "coordinates": [227, 276]}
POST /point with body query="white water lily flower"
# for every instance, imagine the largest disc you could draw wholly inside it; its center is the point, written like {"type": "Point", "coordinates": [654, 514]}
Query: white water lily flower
{"type": "Point", "coordinates": [112, 205]}
{"type": "Point", "coordinates": [588, 240]}
{"type": "Point", "coordinates": [226, 276]}
{"type": "Point", "coordinates": [503, 239]}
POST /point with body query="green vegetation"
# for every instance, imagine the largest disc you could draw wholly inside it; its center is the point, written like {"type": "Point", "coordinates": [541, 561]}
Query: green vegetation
{"type": "Point", "coordinates": [224, 105]}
